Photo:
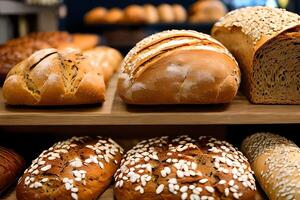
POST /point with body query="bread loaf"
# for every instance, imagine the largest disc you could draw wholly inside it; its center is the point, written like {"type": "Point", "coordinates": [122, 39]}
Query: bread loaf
{"type": "Point", "coordinates": [114, 16]}
{"type": "Point", "coordinates": [151, 14]}
{"type": "Point", "coordinates": [16, 50]}
{"type": "Point", "coordinates": [179, 13]}
{"type": "Point", "coordinates": [135, 14]}
{"type": "Point", "coordinates": [178, 67]}
{"type": "Point", "coordinates": [276, 163]}
{"type": "Point", "coordinates": [105, 58]}
{"type": "Point", "coordinates": [166, 13]}
{"type": "Point", "coordinates": [95, 16]}
{"type": "Point", "coordinates": [181, 168]}
{"type": "Point", "coordinates": [265, 42]}
{"type": "Point", "coordinates": [54, 77]}
{"type": "Point", "coordinates": [11, 166]}
{"type": "Point", "coordinates": [79, 168]}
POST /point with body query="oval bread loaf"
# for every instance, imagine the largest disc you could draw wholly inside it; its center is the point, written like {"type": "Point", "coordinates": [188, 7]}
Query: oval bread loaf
{"type": "Point", "coordinates": [266, 43]}
{"type": "Point", "coordinates": [79, 168]}
{"type": "Point", "coordinates": [276, 164]}
{"type": "Point", "coordinates": [181, 168]}
{"type": "Point", "coordinates": [178, 67]}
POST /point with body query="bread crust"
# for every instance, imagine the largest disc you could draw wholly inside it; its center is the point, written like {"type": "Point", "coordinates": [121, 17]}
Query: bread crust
{"type": "Point", "coordinates": [95, 16]}
{"type": "Point", "coordinates": [248, 30]}
{"type": "Point", "coordinates": [181, 62]}
{"type": "Point", "coordinates": [11, 166]}
{"type": "Point", "coordinates": [180, 13]}
{"type": "Point", "coordinates": [135, 14]}
{"type": "Point", "coordinates": [54, 77]}
{"type": "Point", "coordinates": [182, 167]}
{"type": "Point", "coordinates": [166, 13]}
{"type": "Point", "coordinates": [78, 168]}
{"type": "Point", "coordinates": [151, 13]}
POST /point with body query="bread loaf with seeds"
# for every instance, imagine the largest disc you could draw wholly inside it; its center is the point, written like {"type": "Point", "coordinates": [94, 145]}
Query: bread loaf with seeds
{"type": "Point", "coordinates": [266, 43]}
{"type": "Point", "coordinates": [276, 164]}
{"type": "Point", "coordinates": [11, 166]}
{"type": "Point", "coordinates": [54, 77]}
{"type": "Point", "coordinates": [179, 67]}
{"type": "Point", "coordinates": [181, 168]}
{"type": "Point", "coordinates": [80, 168]}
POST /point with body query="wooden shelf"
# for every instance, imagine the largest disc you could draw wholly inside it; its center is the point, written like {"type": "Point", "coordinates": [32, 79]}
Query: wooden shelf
{"type": "Point", "coordinates": [115, 112]}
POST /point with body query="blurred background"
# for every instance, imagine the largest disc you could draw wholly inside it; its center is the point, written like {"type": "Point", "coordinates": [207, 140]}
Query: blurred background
{"type": "Point", "coordinates": [119, 23]}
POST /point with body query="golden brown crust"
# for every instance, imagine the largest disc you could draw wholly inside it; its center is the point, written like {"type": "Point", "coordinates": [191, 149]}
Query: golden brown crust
{"type": "Point", "coordinates": [246, 33]}
{"type": "Point", "coordinates": [180, 13]}
{"type": "Point", "coordinates": [78, 168]}
{"type": "Point", "coordinates": [166, 13]}
{"type": "Point", "coordinates": [275, 161]}
{"type": "Point", "coordinates": [172, 59]}
{"type": "Point", "coordinates": [151, 14]}
{"type": "Point", "coordinates": [11, 166]}
{"type": "Point", "coordinates": [114, 16]}
{"type": "Point", "coordinates": [135, 14]}
{"type": "Point", "coordinates": [105, 58]}
{"type": "Point", "coordinates": [54, 77]}
{"type": "Point", "coordinates": [95, 16]}
{"type": "Point", "coordinates": [182, 167]}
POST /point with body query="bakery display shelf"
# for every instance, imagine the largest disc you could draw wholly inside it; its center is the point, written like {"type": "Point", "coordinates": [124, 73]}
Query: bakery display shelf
{"type": "Point", "coordinates": [107, 195]}
{"type": "Point", "coordinates": [115, 112]}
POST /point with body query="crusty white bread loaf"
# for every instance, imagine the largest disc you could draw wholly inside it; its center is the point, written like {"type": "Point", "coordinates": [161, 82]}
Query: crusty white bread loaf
{"type": "Point", "coordinates": [266, 43]}
{"type": "Point", "coordinates": [184, 168]}
{"type": "Point", "coordinates": [80, 168]}
{"type": "Point", "coordinates": [54, 77]}
{"type": "Point", "coordinates": [276, 164]}
{"type": "Point", "coordinates": [106, 58]}
{"type": "Point", "coordinates": [178, 67]}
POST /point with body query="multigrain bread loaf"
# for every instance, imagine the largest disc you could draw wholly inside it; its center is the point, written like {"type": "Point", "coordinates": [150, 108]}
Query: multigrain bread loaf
{"type": "Point", "coordinates": [106, 58]}
{"type": "Point", "coordinates": [180, 168]}
{"type": "Point", "coordinates": [79, 168]}
{"type": "Point", "coordinates": [266, 43]}
{"type": "Point", "coordinates": [54, 77]}
{"type": "Point", "coordinates": [276, 164]}
{"type": "Point", "coordinates": [11, 166]}
{"type": "Point", "coordinates": [178, 67]}
{"type": "Point", "coordinates": [16, 50]}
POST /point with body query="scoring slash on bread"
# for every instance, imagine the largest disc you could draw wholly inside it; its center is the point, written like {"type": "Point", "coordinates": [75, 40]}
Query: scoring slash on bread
{"type": "Point", "coordinates": [54, 77]}
{"type": "Point", "coordinates": [266, 43]}
{"type": "Point", "coordinates": [182, 168]}
{"type": "Point", "coordinates": [179, 67]}
{"type": "Point", "coordinates": [11, 166]}
{"type": "Point", "coordinates": [276, 163]}
{"type": "Point", "coordinates": [78, 168]}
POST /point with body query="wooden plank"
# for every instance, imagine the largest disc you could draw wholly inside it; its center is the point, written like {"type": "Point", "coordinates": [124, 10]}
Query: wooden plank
{"type": "Point", "coordinates": [115, 112]}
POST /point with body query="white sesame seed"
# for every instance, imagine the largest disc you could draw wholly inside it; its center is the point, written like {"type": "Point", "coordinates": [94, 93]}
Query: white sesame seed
{"type": "Point", "coordinates": [159, 189]}
{"type": "Point", "coordinates": [210, 189]}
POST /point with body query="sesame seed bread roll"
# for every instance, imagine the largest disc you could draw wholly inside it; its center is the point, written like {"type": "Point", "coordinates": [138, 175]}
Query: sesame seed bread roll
{"type": "Point", "coordinates": [54, 77]}
{"type": "Point", "coordinates": [265, 41]}
{"type": "Point", "coordinates": [276, 164]}
{"type": "Point", "coordinates": [80, 168]}
{"type": "Point", "coordinates": [108, 59]}
{"type": "Point", "coordinates": [179, 67]}
{"type": "Point", "coordinates": [182, 168]}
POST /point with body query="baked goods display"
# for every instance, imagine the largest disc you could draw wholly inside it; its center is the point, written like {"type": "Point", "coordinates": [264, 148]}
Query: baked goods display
{"type": "Point", "coordinates": [184, 168]}
{"type": "Point", "coordinates": [11, 166]}
{"type": "Point", "coordinates": [276, 163]}
{"type": "Point", "coordinates": [137, 14]}
{"type": "Point", "coordinates": [106, 58]}
{"type": "Point", "coordinates": [206, 11]}
{"type": "Point", "coordinates": [78, 168]}
{"type": "Point", "coordinates": [16, 50]}
{"type": "Point", "coordinates": [178, 67]}
{"type": "Point", "coordinates": [265, 41]}
{"type": "Point", "coordinates": [54, 77]}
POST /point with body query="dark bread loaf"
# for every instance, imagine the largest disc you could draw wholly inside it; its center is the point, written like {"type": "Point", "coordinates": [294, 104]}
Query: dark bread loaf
{"type": "Point", "coordinates": [184, 168]}
{"type": "Point", "coordinates": [78, 168]}
{"type": "Point", "coordinates": [54, 77]}
{"type": "Point", "coordinates": [11, 165]}
{"type": "Point", "coordinates": [266, 43]}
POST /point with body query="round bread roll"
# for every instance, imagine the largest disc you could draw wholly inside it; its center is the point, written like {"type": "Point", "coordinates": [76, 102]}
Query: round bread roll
{"type": "Point", "coordinates": [78, 168]}
{"type": "Point", "coordinates": [181, 167]}
{"type": "Point", "coordinates": [114, 16]}
{"type": "Point", "coordinates": [135, 14]}
{"type": "Point", "coordinates": [207, 11]}
{"type": "Point", "coordinates": [151, 14]}
{"type": "Point", "coordinates": [11, 166]}
{"type": "Point", "coordinates": [180, 13]}
{"type": "Point", "coordinates": [166, 13]}
{"type": "Point", "coordinates": [276, 163]}
{"type": "Point", "coordinates": [106, 58]}
{"type": "Point", "coordinates": [95, 16]}
{"type": "Point", "coordinates": [179, 67]}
